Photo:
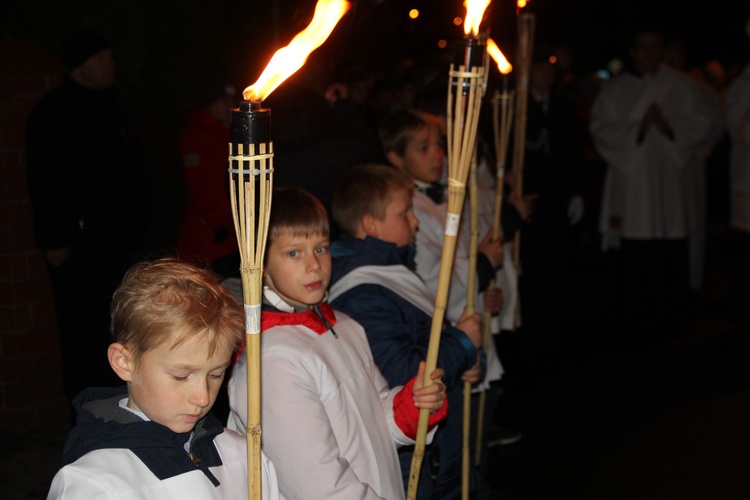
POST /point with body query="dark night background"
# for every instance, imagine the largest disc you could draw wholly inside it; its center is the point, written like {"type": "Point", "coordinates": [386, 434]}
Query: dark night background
{"type": "Point", "coordinates": [164, 47]}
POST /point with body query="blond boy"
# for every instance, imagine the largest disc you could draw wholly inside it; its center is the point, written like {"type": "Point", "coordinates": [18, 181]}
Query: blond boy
{"type": "Point", "coordinates": [175, 329]}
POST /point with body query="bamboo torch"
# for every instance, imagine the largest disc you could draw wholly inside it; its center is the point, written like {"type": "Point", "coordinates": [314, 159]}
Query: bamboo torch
{"type": "Point", "coordinates": [526, 24]}
{"type": "Point", "coordinates": [502, 113]}
{"type": "Point", "coordinates": [466, 88]}
{"type": "Point", "coordinates": [250, 186]}
{"type": "Point", "coordinates": [470, 309]}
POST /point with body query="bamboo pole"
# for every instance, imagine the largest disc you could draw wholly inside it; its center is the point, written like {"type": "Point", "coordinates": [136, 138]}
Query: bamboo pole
{"type": "Point", "coordinates": [466, 86]}
{"type": "Point", "coordinates": [251, 183]}
{"type": "Point", "coordinates": [502, 113]}
{"type": "Point", "coordinates": [526, 25]}
{"type": "Point", "coordinates": [470, 309]}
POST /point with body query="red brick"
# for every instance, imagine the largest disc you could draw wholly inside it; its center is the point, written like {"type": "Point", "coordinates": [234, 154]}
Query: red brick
{"type": "Point", "coordinates": [46, 365]}
{"type": "Point", "coordinates": [43, 313]}
{"type": "Point", "coordinates": [22, 292]}
{"type": "Point", "coordinates": [28, 345]}
{"type": "Point", "coordinates": [37, 264]}
{"type": "Point", "coordinates": [16, 240]}
{"type": "Point", "coordinates": [11, 163]}
{"type": "Point", "coordinates": [12, 135]}
{"type": "Point", "coordinates": [13, 371]}
{"type": "Point", "coordinates": [13, 320]}
{"type": "Point", "coordinates": [31, 393]}
{"type": "Point", "coordinates": [22, 106]}
{"type": "Point", "coordinates": [14, 189]}
{"type": "Point", "coordinates": [24, 84]}
{"type": "Point", "coordinates": [13, 267]}
{"type": "Point", "coordinates": [11, 213]}
{"type": "Point", "coordinates": [7, 109]}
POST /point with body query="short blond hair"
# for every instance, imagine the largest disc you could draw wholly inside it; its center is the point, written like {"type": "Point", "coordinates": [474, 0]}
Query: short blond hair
{"type": "Point", "coordinates": [170, 301]}
{"type": "Point", "coordinates": [366, 190]}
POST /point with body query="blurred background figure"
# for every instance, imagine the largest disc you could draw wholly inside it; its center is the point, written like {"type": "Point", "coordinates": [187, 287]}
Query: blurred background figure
{"type": "Point", "coordinates": [207, 234]}
{"type": "Point", "coordinates": [87, 184]}
{"type": "Point", "coordinates": [553, 171]}
{"type": "Point", "coordinates": [737, 114]}
{"type": "Point", "coordinates": [650, 124]}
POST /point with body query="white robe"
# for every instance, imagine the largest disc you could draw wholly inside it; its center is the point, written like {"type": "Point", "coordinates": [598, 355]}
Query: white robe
{"type": "Point", "coordinates": [645, 186]}
{"type": "Point", "coordinates": [737, 112]}
{"type": "Point", "coordinates": [430, 238]}
{"type": "Point", "coordinates": [327, 414]}
{"type": "Point", "coordinates": [113, 473]}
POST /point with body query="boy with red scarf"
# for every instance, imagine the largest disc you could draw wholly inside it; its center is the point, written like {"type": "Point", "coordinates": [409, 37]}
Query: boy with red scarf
{"type": "Point", "coordinates": [331, 425]}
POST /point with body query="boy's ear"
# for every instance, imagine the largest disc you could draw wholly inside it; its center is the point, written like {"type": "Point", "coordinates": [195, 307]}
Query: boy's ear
{"type": "Point", "coordinates": [368, 226]}
{"type": "Point", "coordinates": [395, 159]}
{"type": "Point", "coordinates": [120, 359]}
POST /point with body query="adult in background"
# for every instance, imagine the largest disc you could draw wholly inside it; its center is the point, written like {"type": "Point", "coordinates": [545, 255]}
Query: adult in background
{"type": "Point", "coordinates": [553, 171]}
{"type": "Point", "coordinates": [207, 232]}
{"type": "Point", "coordinates": [87, 185]}
{"type": "Point", "coordinates": [648, 124]}
{"type": "Point", "coordinates": [737, 114]}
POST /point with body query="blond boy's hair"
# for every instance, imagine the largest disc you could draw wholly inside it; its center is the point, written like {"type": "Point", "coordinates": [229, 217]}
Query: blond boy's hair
{"type": "Point", "coordinates": [397, 130]}
{"type": "Point", "coordinates": [366, 190]}
{"type": "Point", "coordinates": [172, 301]}
{"type": "Point", "coordinates": [297, 212]}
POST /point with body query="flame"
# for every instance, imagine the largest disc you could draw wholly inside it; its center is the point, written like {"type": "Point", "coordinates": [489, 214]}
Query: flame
{"type": "Point", "coordinates": [502, 63]}
{"type": "Point", "coordinates": [474, 12]}
{"type": "Point", "coordinates": [287, 60]}
{"type": "Point", "coordinates": [520, 4]}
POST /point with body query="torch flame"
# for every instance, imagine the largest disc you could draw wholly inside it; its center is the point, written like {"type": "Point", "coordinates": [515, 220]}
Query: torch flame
{"type": "Point", "coordinates": [502, 63]}
{"type": "Point", "coordinates": [474, 13]}
{"type": "Point", "coordinates": [287, 60]}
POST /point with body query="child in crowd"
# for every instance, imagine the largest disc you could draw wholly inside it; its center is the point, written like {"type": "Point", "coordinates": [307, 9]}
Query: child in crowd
{"type": "Point", "coordinates": [374, 282]}
{"type": "Point", "coordinates": [175, 329]}
{"type": "Point", "coordinates": [412, 141]}
{"type": "Point", "coordinates": [330, 422]}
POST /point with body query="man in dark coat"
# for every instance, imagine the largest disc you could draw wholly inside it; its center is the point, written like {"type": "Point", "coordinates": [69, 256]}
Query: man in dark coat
{"type": "Point", "coordinates": [86, 181]}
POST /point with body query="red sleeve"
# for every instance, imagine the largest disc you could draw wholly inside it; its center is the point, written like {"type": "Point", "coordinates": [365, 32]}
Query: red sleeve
{"type": "Point", "coordinates": [406, 414]}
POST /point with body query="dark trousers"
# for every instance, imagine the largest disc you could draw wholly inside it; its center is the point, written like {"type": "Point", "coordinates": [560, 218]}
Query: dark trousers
{"type": "Point", "coordinates": [648, 285]}
{"type": "Point", "coordinates": [83, 287]}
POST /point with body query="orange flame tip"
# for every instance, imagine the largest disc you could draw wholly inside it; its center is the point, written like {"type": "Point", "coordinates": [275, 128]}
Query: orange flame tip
{"type": "Point", "coordinates": [287, 60]}
{"type": "Point", "coordinates": [502, 63]}
{"type": "Point", "coordinates": [474, 13]}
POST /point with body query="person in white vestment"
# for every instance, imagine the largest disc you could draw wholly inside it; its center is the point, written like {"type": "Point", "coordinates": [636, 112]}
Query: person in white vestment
{"type": "Point", "coordinates": [649, 124]}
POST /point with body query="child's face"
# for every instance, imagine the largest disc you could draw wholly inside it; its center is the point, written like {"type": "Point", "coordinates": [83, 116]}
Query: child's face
{"type": "Point", "coordinates": [177, 387]}
{"type": "Point", "coordinates": [299, 267]}
{"type": "Point", "coordinates": [399, 225]}
{"type": "Point", "coordinates": [423, 157]}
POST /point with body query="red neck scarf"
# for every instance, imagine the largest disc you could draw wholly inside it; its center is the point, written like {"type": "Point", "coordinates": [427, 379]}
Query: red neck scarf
{"type": "Point", "coordinates": [308, 318]}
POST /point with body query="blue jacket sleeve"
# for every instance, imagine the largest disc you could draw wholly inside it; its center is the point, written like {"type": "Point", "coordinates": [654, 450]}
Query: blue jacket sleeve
{"type": "Point", "coordinates": [399, 333]}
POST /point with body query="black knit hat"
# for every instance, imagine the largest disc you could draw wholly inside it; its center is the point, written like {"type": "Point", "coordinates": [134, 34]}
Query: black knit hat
{"type": "Point", "coordinates": [81, 45]}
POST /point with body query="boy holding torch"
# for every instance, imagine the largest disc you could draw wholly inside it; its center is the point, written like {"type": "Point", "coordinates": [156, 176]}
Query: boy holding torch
{"type": "Point", "coordinates": [374, 282]}
{"type": "Point", "coordinates": [331, 422]}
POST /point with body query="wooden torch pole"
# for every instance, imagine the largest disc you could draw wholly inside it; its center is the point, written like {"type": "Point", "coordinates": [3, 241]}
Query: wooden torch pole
{"type": "Point", "coordinates": [502, 112]}
{"type": "Point", "coordinates": [250, 185]}
{"type": "Point", "coordinates": [526, 25]}
{"type": "Point", "coordinates": [470, 309]}
{"type": "Point", "coordinates": [466, 88]}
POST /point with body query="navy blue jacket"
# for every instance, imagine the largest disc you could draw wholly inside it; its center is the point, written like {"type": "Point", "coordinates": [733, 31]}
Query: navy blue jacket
{"type": "Point", "coordinates": [399, 334]}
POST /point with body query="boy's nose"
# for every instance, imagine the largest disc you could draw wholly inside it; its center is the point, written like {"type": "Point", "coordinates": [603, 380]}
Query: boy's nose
{"type": "Point", "coordinates": [312, 263]}
{"type": "Point", "coordinates": [199, 394]}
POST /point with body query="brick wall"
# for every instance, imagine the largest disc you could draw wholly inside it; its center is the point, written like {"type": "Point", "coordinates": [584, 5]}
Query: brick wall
{"type": "Point", "coordinates": [31, 393]}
